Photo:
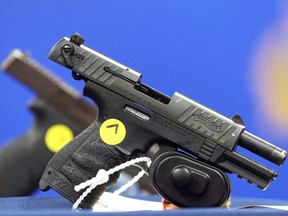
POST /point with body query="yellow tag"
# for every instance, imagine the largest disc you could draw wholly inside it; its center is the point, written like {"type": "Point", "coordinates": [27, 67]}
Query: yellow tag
{"type": "Point", "coordinates": [112, 131]}
{"type": "Point", "coordinates": [57, 136]}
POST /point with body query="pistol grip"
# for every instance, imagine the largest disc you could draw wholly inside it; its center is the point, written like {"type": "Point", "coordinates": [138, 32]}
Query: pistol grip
{"type": "Point", "coordinates": [21, 165]}
{"type": "Point", "coordinates": [23, 160]}
{"type": "Point", "coordinates": [79, 161]}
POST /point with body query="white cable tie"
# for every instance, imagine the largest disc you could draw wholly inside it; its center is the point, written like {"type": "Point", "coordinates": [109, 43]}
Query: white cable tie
{"type": "Point", "coordinates": [129, 183]}
{"type": "Point", "coordinates": [102, 177]}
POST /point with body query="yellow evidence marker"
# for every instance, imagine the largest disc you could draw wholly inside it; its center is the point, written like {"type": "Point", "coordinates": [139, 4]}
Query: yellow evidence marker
{"type": "Point", "coordinates": [112, 131]}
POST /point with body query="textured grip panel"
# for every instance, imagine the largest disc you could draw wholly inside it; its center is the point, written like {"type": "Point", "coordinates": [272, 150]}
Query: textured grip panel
{"type": "Point", "coordinates": [79, 161]}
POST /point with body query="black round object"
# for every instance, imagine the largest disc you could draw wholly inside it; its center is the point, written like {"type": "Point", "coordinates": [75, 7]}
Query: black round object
{"type": "Point", "coordinates": [187, 182]}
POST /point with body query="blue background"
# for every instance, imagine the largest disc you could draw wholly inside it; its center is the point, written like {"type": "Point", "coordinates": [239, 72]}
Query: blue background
{"type": "Point", "coordinates": [202, 49]}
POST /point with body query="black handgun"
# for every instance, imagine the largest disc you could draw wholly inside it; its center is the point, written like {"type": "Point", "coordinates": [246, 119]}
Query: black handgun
{"type": "Point", "coordinates": [191, 146]}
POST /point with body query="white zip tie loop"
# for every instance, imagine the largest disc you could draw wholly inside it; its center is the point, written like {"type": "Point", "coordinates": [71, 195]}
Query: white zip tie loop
{"type": "Point", "coordinates": [102, 177]}
{"type": "Point", "coordinates": [129, 183]}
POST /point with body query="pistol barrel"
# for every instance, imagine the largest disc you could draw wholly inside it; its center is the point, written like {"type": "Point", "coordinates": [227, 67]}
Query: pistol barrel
{"type": "Point", "coordinates": [262, 148]}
